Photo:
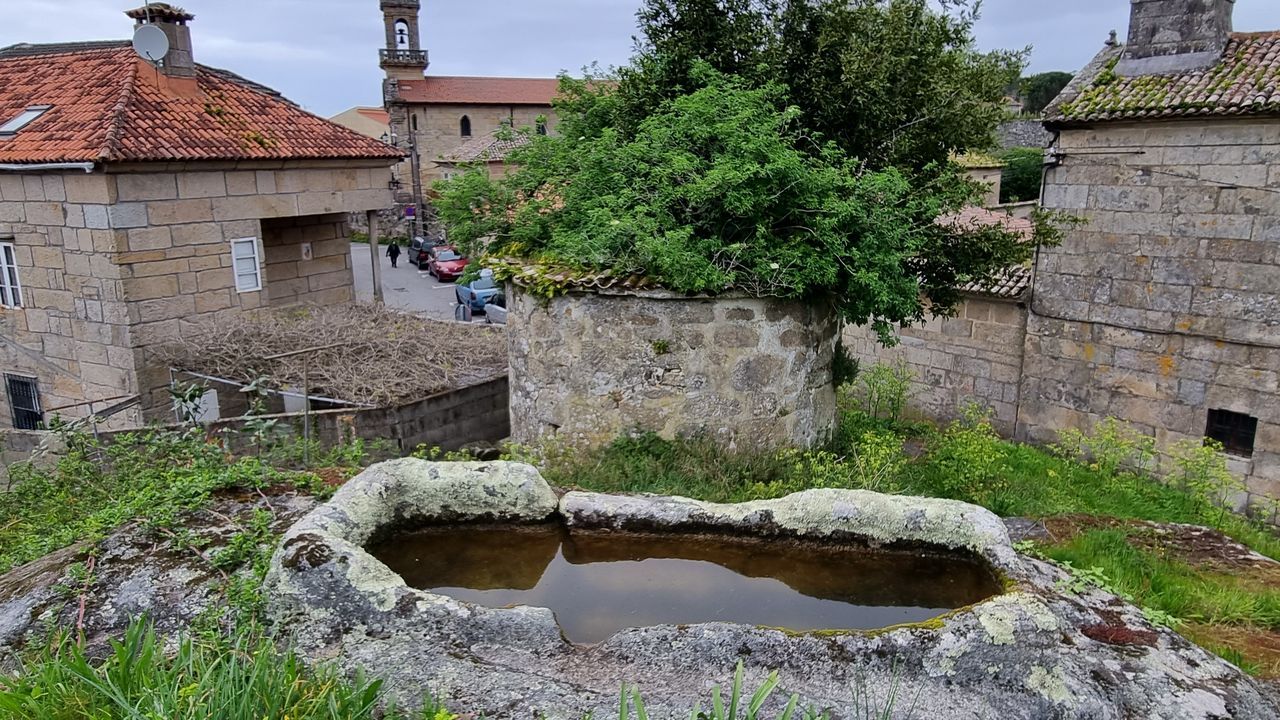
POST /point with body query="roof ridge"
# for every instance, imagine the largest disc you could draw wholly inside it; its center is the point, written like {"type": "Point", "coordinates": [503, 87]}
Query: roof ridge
{"type": "Point", "coordinates": [112, 145]}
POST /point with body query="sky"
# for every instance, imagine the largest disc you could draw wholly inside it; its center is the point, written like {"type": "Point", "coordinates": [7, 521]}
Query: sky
{"type": "Point", "coordinates": [322, 54]}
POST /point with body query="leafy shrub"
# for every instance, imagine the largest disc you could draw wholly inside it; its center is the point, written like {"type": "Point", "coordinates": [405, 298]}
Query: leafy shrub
{"type": "Point", "coordinates": [1202, 471]}
{"type": "Point", "coordinates": [1110, 446]}
{"type": "Point", "coordinates": [970, 461]}
{"type": "Point", "coordinates": [244, 678]}
{"type": "Point", "coordinates": [884, 390]}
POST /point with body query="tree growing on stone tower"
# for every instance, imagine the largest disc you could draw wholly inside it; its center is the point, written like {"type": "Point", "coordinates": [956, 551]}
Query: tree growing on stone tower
{"type": "Point", "coordinates": [703, 168]}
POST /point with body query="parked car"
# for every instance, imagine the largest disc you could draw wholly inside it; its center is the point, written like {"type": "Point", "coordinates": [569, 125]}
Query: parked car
{"type": "Point", "coordinates": [444, 262]}
{"type": "Point", "coordinates": [479, 292]}
{"type": "Point", "coordinates": [417, 252]}
{"type": "Point", "coordinates": [495, 313]}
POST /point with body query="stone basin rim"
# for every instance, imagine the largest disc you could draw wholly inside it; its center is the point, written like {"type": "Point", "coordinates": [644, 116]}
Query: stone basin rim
{"type": "Point", "coordinates": [372, 506]}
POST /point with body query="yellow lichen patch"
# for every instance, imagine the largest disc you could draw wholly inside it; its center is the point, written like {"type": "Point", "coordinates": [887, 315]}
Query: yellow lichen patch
{"type": "Point", "coordinates": [1089, 352]}
{"type": "Point", "coordinates": [1166, 365]}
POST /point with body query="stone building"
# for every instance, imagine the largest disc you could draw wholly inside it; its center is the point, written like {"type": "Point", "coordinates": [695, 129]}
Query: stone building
{"type": "Point", "coordinates": [370, 122]}
{"type": "Point", "coordinates": [1163, 310]}
{"type": "Point", "coordinates": [437, 115]}
{"type": "Point", "coordinates": [137, 197]}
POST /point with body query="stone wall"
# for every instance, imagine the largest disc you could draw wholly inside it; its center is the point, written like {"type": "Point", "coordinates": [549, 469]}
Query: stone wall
{"type": "Point", "coordinates": [588, 367]}
{"type": "Point", "coordinates": [321, 278]}
{"type": "Point", "coordinates": [973, 357]}
{"type": "Point", "coordinates": [1166, 305]}
{"type": "Point", "coordinates": [113, 264]}
{"type": "Point", "coordinates": [73, 332]}
{"type": "Point", "coordinates": [439, 129]}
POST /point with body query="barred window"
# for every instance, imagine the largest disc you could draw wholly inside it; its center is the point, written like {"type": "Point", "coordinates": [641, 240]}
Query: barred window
{"type": "Point", "coordinates": [24, 400]}
{"type": "Point", "coordinates": [1236, 431]}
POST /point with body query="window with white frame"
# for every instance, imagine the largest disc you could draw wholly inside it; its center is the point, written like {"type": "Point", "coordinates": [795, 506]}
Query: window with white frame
{"type": "Point", "coordinates": [10, 289]}
{"type": "Point", "coordinates": [246, 265]}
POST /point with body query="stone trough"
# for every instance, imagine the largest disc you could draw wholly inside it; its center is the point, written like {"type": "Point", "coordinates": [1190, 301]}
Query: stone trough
{"type": "Point", "coordinates": [1031, 651]}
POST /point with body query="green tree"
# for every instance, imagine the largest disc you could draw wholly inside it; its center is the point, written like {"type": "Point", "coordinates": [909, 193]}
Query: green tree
{"type": "Point", "coordinates": [892, 82]}
{"type": "Point", "coordinates": [724, 188]}
{"type": "Point", "coordinates": [1023, 172]}
{"type": "Point", "coordinates": [1040, 90]}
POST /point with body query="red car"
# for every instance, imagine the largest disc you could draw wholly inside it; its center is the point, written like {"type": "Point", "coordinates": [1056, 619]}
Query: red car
{"type": "Point", "coordinates": [445, 263]}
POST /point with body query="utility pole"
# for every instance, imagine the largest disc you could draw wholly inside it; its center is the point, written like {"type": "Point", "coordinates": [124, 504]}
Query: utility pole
{"type": "Point", "coordinates": [416, 165]}
{"type": "Point", "coordinates": [375, 256]}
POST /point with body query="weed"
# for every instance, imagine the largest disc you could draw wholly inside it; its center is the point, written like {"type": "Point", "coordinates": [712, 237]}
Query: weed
{"type": "Point", "coordinates": [885, 390]}
{"type": "Point", "coordinates": [1202, 471]}
{"type": "Point", "coordinates": [969, 460]}
{"type": "Point", "coordinates": [1111, 445]}
{"type": "Point", "coordinates": [241, 678]}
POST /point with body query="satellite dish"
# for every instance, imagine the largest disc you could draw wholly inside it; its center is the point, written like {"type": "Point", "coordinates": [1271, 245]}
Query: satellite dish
{"type": "Point", "coordinates": [150, 43]}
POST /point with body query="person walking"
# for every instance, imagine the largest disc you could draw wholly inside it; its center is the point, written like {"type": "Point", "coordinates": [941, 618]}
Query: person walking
{"type": "Point", "coordinates": [393, 252]}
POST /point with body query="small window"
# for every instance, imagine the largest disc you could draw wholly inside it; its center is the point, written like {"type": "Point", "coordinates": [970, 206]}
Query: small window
{"type": "Point", "coordinates": [1236, 431]}
{"type": "Point", "coordinates": [24, 399]}
{"type": "Point", "coordinates": [24, 118]}
{"type": "Point", "coordinates": [542, 128]}
{"type": "Point", "coordinates": [10, 289]}
{"type": "Point", "coordinates": [465, 126]}
{"type": "Point", "coordinates": [413, 122]}
{"type": "Point", "coordinates": [245, 264]}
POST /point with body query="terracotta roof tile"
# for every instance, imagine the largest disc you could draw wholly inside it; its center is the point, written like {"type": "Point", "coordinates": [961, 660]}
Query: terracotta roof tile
{"type": "Point", "coordinates": [1246, 82]}
{"type": "Point", "coordinates": [109, 106]}
{"type": "Point", "coordinates": [488, 148]}
{"type": "Point", "coordinates": [1010, 283]}
{"type": "Point", "coordinates": [444, 90]}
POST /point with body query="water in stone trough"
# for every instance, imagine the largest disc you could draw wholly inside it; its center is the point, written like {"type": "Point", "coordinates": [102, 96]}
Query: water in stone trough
{"type": "Point", "coordinates": [598, 583]}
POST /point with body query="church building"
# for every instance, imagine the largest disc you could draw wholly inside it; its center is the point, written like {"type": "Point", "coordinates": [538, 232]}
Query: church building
{"type": "Point", "coordinates": [449, 117]}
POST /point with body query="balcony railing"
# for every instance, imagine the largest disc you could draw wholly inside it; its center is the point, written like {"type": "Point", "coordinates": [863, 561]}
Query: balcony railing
{"type": "Point", "coordinates": [403, 57]}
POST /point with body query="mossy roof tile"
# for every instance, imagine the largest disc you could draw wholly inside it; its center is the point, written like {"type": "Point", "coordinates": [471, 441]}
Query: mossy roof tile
{"type": "Point", "coordinates": [1246, 82]}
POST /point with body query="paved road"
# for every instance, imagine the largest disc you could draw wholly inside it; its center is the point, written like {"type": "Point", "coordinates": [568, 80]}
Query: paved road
{"type": "Point", "coordinates": [403, 288]}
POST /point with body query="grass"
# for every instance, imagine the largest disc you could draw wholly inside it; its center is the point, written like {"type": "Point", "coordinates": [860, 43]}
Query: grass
{"type": "Point", "coordinates": [152, 476]}
{"type": "Point", "coordinates": [242, 678]}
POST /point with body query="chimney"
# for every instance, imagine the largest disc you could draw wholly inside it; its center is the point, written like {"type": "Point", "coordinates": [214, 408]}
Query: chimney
{"type": "Point", "coordinates": [1174, 36]}
{"type": "Point", "coordinates": [179, 62]}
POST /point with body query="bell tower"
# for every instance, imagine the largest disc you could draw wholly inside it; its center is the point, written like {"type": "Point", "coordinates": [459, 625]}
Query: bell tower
{"type": "Point", "coordinates": [403, 57]}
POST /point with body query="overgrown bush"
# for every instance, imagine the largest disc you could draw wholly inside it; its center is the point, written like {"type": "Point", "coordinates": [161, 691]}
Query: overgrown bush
{"type": "Point", "coordinates": [970, 461]}
{"type": "Point", "coordinates": [719, 161]}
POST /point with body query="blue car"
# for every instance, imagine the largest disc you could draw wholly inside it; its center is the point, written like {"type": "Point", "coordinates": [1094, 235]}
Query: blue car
{"type": "Point", "coordinates": [479, 292]}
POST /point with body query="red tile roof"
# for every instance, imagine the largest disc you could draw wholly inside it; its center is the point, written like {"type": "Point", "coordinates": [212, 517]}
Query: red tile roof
{"type": "Point", "coordinates": [1011, 283]}
{"type": "Point", "coordinates": [442, 90]}
{"type": "Point", "coordinates": [109, 106]}
{"type": "Point", "coordinates": [1246, 82]}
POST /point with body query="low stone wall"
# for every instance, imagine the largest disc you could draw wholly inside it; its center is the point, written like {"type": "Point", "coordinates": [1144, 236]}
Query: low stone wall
{"type": "Point", "coordinates": [17, 446]}
{"type": "Point", "coordinates": [587, 367]}
{"type": "Point", "coordinates": [450, 420]}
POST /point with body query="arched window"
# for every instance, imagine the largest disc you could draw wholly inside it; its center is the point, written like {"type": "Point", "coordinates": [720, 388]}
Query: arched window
{"type": "Point", "coordinates": [465, 126]}
{"type": "Point", "coordinates": [413, 121]}
{"type": "Point", "coordinates": [402, 35]}
{"type": "Point", "coordinates": [542, 127]}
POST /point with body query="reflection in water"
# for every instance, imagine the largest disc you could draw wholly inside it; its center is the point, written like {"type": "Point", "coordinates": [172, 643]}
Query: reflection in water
{"type": "Point", "coordinates": [598, 583]}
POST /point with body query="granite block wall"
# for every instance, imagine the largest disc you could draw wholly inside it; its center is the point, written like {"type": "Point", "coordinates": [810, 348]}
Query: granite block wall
{"type": "Point", "coordinates": [1166, 304]}
{"type": "Point", "coordinates": [750, 372]}
{"type": "Point", "coordinates": [975, 356]}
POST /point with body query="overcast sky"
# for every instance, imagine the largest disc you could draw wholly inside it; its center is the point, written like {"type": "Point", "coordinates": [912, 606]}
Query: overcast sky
{"type": "Point", "coordinates": [323, 53]}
